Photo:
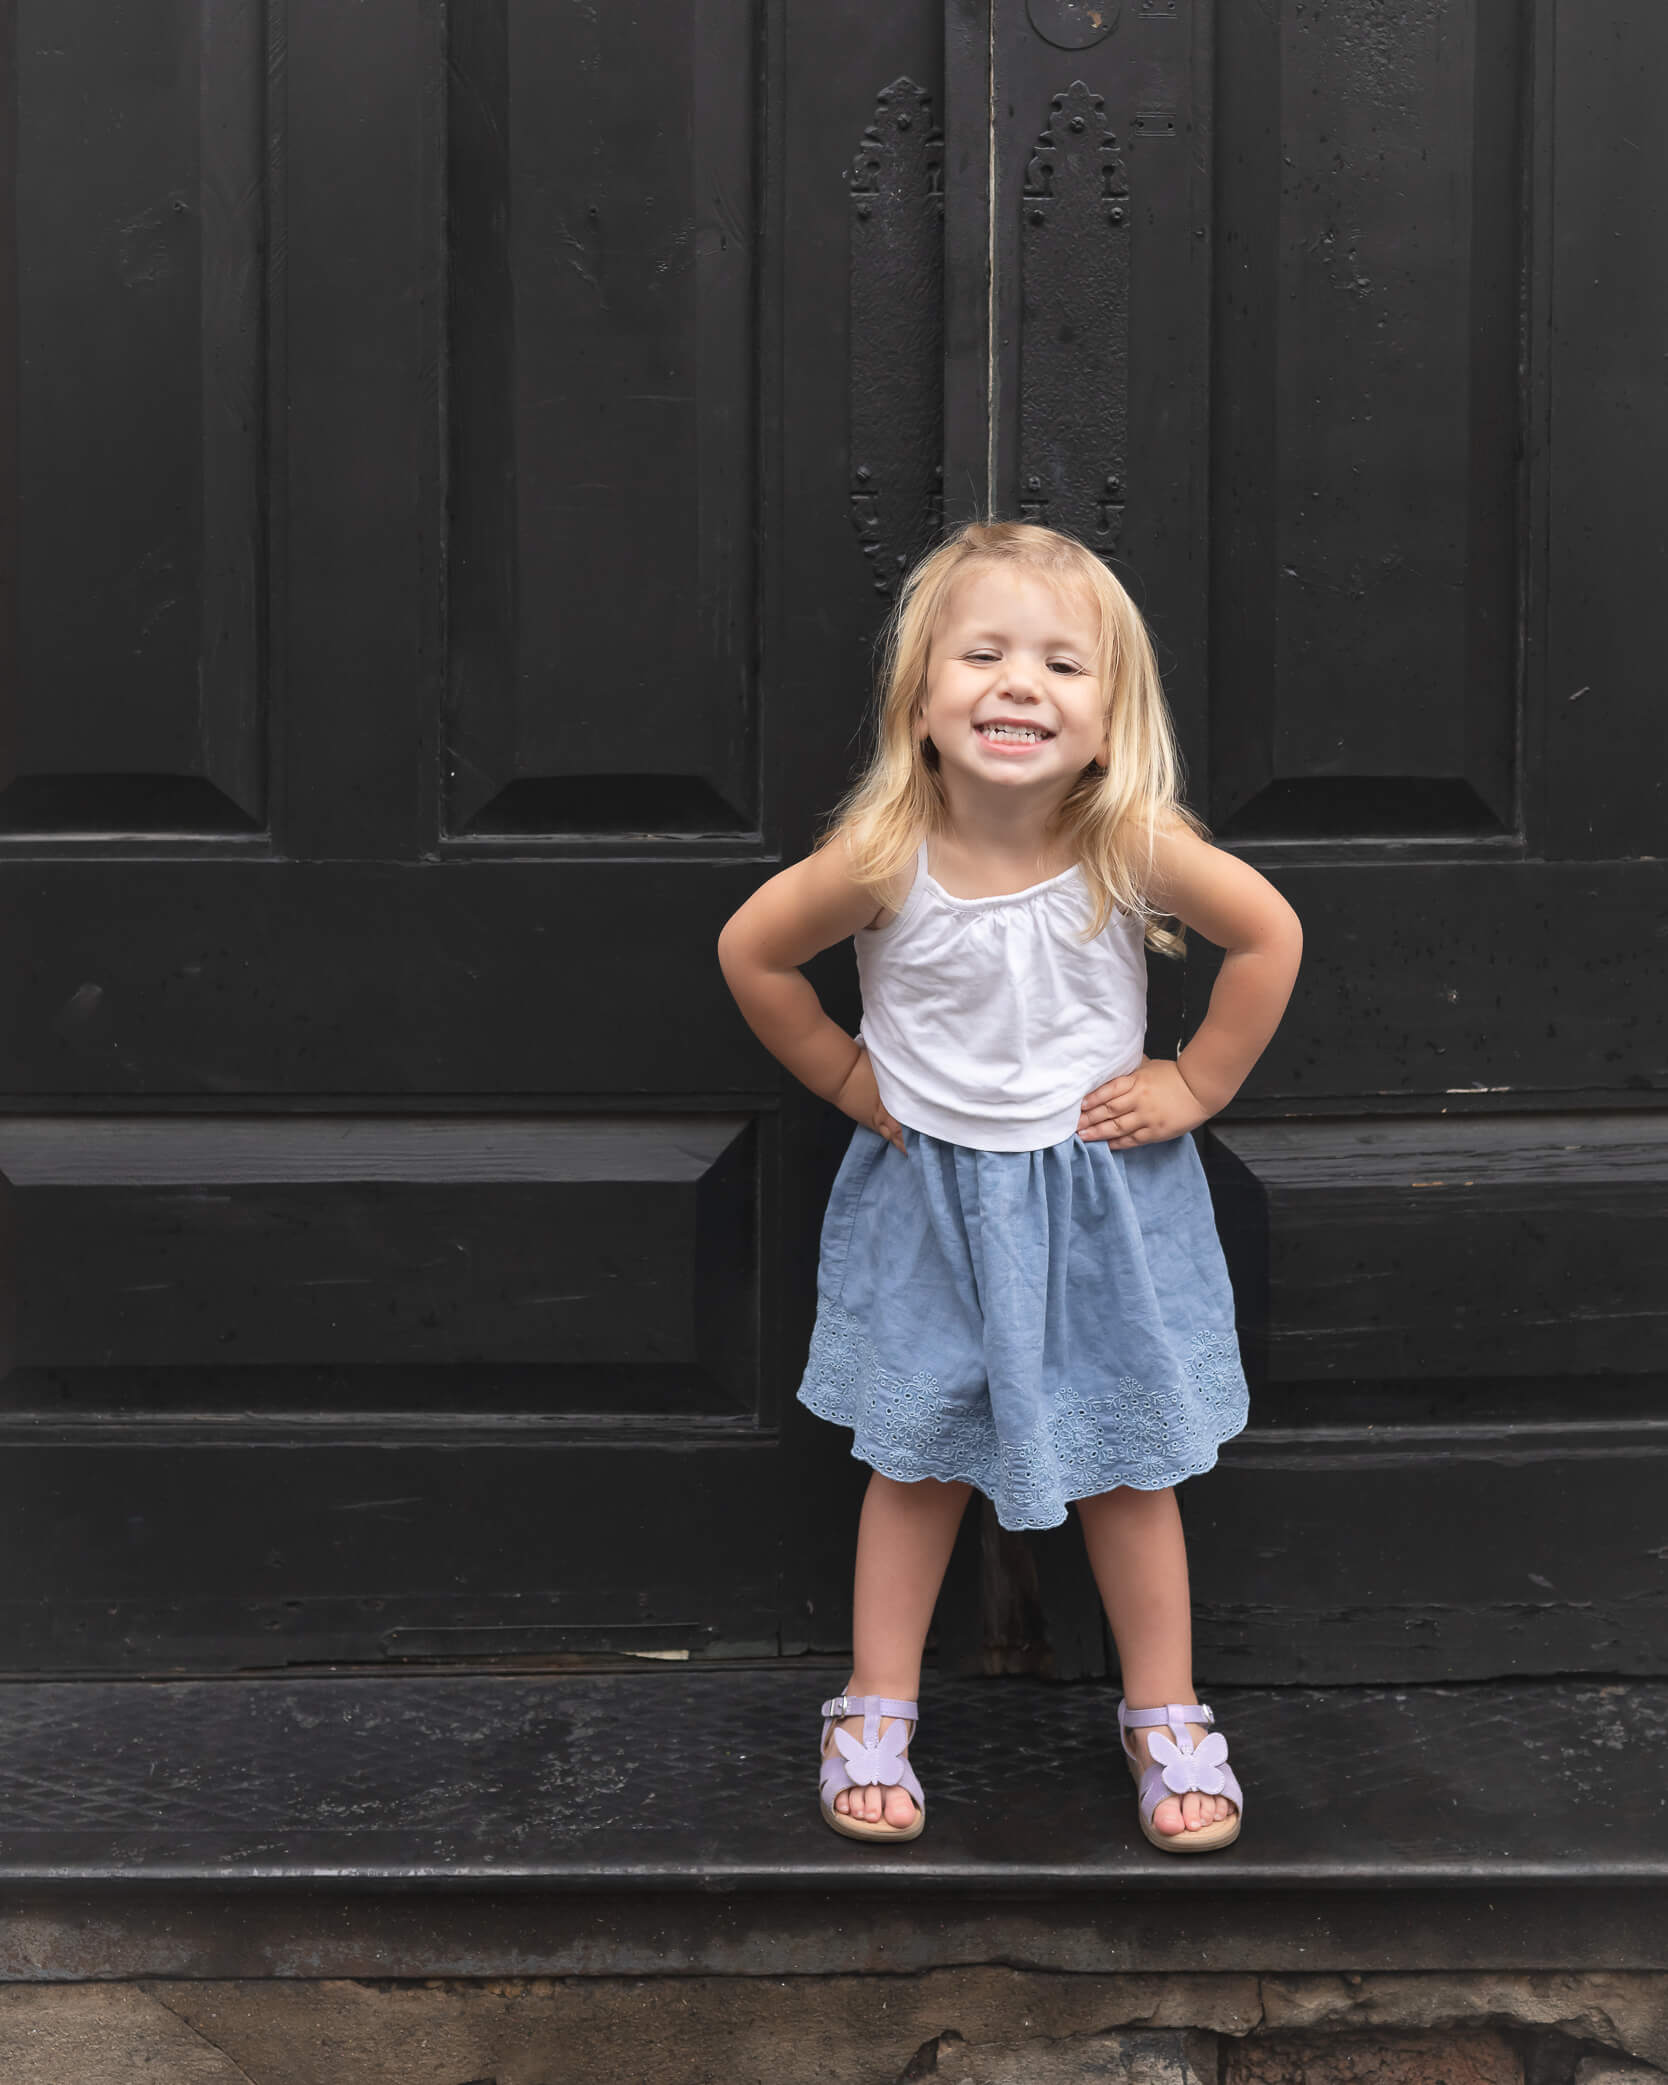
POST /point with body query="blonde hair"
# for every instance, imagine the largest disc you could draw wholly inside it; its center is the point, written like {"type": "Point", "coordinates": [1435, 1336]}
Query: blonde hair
{"type": "Point", "coordinates": [1110, 814]}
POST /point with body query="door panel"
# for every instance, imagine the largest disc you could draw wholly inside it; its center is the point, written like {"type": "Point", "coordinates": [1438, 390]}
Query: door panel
{"type": "Point", "coordinates": [1368, 236]}
{"type": "Point", "coordinates": [134, 378]}
{"type": "Point", "coordinates": [607, 258]}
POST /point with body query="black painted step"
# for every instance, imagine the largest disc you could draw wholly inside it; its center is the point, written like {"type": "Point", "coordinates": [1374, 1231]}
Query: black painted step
{"type": "Point", "coordinates": [679, 1781]}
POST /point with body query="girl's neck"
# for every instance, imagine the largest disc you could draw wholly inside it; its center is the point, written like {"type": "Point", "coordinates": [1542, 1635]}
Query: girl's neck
{"type": "Point", "coordinates": [1012, 836]}
{"type": "Point", "coordinates": [979, 864]}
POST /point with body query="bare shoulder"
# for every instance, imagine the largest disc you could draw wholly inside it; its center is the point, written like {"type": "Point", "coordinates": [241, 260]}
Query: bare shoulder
{"type": "Point", "coordinates": [1179, 857]}
{"type": "Point", "coordinates": [1214, 892]}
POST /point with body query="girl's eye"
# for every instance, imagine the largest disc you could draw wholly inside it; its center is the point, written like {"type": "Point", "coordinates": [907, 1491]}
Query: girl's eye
{"type": "Point", "coordinates": [1065, 666]}
{"type": "Point", "coordinates": [981, 658]}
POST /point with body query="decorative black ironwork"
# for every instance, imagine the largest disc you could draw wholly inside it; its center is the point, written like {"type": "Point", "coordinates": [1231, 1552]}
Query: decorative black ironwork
{"type": "Point", "coordinates": [897, 382]}
{"type": "Point", "coordinates": [1074, 344]}
{"type": "Point", "coordinates": [1073, 25]}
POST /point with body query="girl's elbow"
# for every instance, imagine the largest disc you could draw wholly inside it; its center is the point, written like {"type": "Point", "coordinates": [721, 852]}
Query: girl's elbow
{"type": "Point", "coordinates": [1285, 928]}
{"type": "Point", "coordinates": [1291, 940]}
{"type": "Point", "coordinates": [729, 948]}
{"type": "Point", "coordinates": [740, 957]}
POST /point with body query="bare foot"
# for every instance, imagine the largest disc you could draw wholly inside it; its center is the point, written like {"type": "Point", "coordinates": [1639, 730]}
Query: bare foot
{"type": "Point", "coordinates": [1182, 1813]}
{"type": "Point", "coordinates": [872, 1805]}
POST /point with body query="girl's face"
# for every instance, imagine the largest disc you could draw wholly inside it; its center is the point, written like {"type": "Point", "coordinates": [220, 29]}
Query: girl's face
{"type": "Point", "coordinates": [1013, 700]}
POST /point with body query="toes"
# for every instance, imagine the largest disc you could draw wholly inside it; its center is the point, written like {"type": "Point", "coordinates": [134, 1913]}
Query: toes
{"type": "Point", "coordinates": [900, 1807]}
{"type": "Point", "coordinates": [1168, 1816]}
{"type": "Point", "coordinates": [1198, 1811]}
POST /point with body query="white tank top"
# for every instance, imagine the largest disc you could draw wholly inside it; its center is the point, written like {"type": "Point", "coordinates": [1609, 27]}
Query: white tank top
{"type": "Point", "coordinates": [988, 1019]}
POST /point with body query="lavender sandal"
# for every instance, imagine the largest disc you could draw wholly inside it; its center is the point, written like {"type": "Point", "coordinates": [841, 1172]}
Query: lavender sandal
{"type": "Point", "coordinates": [1178, 1768]}
{"type": "Point", "coordinates": [879, 1758]}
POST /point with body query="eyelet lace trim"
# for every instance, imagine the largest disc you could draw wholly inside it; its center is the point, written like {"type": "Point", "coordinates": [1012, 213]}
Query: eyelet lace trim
{"type": "Point", "coordinates": [1086, 1445]}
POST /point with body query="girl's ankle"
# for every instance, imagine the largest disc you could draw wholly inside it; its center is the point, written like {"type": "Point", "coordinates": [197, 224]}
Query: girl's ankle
{"type": "Point", "coordinates": [884, 1692]}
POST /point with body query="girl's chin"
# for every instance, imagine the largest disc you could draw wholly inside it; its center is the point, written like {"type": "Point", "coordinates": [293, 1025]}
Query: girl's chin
{"type": "Point", "coordinates": [1003, 781]}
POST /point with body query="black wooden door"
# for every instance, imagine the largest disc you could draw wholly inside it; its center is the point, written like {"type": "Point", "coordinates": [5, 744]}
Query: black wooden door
{"type": "Point", "coordinates": [1434, 714]}
{"type": "Point", "coordinates": [434, 606]}
{"type": "Point", "coordinates": [1335, 327]}
{"type": "Point", "coordinates": [455, 463]}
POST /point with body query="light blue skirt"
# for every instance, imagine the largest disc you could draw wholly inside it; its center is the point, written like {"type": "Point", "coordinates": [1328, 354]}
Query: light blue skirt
{"type": "Point", "coordinates": [1044, 1325]}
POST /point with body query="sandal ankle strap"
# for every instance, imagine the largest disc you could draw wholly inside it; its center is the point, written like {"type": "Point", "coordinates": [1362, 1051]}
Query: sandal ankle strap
{"type": "Point", "coordinates": [1172, 1712]}
{"type": "Point", "coordinates": [870, 1704]}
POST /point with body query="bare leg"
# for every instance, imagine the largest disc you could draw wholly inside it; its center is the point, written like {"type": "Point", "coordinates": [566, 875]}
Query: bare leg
{"type": "Point", "coordinates": [904, 1540]}
{"type": "Point", "coordinates": [1134, 1540]}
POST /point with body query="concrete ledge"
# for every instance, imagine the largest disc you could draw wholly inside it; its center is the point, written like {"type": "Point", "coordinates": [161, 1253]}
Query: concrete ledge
{"type": "Point", "coordinates": [120, 1932]}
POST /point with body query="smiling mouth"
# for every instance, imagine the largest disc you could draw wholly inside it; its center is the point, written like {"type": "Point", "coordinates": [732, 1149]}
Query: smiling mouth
{"type": "Point", "coordinates": [1013, 734]}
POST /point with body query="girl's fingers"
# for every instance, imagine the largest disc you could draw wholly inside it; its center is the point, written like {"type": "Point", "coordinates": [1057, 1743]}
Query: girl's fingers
{"type": "Point", "coordinates": [1105, 1100]}
{"type": "Point", "coordinates": [1115, 1132]}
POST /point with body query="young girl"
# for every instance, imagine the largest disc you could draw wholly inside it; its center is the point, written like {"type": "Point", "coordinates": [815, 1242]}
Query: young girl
{"type": "Point", "coordinates": [1020, 1287]}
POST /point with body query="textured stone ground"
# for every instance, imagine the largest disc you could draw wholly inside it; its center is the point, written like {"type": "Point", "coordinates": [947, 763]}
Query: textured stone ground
{"type": "Point", "coordinates": [974, 2026]}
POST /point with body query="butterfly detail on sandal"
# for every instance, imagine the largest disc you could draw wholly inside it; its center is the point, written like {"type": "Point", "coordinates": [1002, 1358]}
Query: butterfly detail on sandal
{"type": "Point", "coordinates": [882, 1762]}
{"type": "Point", "coordinates": [1195, 1771]}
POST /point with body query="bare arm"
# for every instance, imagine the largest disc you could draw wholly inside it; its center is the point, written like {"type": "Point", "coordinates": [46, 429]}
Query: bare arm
{"type": "Point", "coordinates": [1229, 903]}
{"type": "Point", "coordinates": [787, 921]}
{"type": "Point", "coordinates": [1226, 901]}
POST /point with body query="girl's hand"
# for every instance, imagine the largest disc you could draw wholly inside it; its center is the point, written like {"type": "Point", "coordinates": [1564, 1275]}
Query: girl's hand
{"type": "Point", "coordinates": [859, 1098]}
{"type": "Point", "coordinates": [1146, 1106]}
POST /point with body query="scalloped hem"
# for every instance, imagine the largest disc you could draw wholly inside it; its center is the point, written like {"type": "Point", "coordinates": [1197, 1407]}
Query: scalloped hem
{"type": "Point", "coordinates": [897, 1427]}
